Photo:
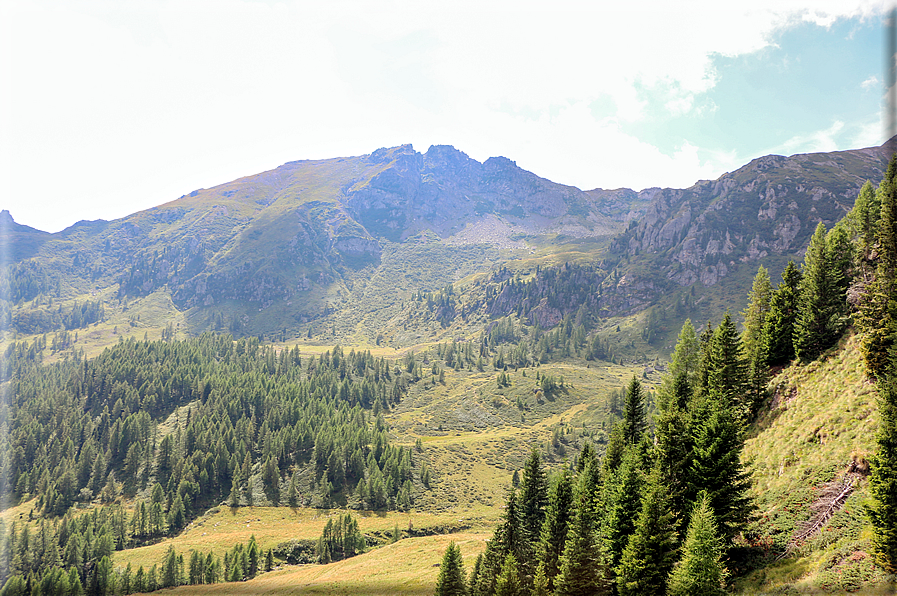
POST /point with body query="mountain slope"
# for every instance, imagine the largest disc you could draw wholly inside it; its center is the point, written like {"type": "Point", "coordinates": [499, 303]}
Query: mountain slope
{"type": "Point", "coordinates": [807, 450]}
{"type": "Point", "coordinates": [764, 212]}
{"type": "Point", "coordinates": [334, 249]}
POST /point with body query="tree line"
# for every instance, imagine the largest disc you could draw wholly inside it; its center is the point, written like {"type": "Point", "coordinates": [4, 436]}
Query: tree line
{"type": "Point", "coordinates": [665, 511]}
{"type": "Point", "coordinates": [184, 425]}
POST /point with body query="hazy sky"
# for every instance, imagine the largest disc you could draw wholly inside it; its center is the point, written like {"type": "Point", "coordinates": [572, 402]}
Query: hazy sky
{"type": "Point", "coordinates": [111, 107]}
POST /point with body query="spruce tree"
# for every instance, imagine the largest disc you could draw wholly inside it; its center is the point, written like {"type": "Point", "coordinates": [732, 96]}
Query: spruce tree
{"type": "Point", "coordinates": [882, 507]}
{"type": "Point", "coordinates": [701, 571]}
{"type": "Point", "coordinates": [752, 338]}
{"type": "Point", "coordinates": [554, 529]}
{"type": "Point", "coordinates": [674, 444]}
{"type": "Point", "coordinates": [756, 311]}
{"type": "Point", "coordinates": [533, 498]}
{"type": "Point", "coordinates": [451, 580]}
{"type": "Point", "coordinates": [583, 567]}
{"type": "Point", "coordinates": [505, 540]}
{"type": "Point", "coordinates": [650, 553]}
{"type": "Point", "coordinates": [635, 421]}
{"type": "Point", "coordinates": [613, 453]}
{"type": "Point", "coordinates": [819, 321]}
{"type": "Point", "coordinates": [728, 370]}
{"type": "Point", "coordinates": [878, 311]}
{"type": "Point", "coordinates": [686, 355]}
{"type": "Point", "coordinates": [863, 219]}
{"type": "Point", "coordinates": [716, 469]}
{"type": "Point", "coordinates": [508, 581]}
{"type": "Point", "coordinates": [622, 503]}
{"type": "Point", "coordinates": [778, 330]}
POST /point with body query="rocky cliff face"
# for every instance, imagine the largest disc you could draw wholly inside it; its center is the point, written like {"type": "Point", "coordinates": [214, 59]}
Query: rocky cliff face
{"type": "Point", "coordinates": [297, 236]}
{"type": "Point", "coordinates": [767, 208]}
{"type": "Point", "coordinates": [444, 189]}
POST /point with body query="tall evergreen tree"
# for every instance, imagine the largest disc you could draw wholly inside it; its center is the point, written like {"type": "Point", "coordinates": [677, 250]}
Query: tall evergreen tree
{"type": "Point", "coordinates": [701, 571]}
{"type": "Point", "coordinates": [451, 580]}
{"type": "Point", "coordinates": [863, 220]}
{"type": "Point", "coordinates": [533, 498]}
{"type": "Point", "coordinates": [752, 338]}
{"type": "Point", "coordinates": [820, 318]}
{"type": "Point", "coordinates": [583, 566]}
{"type": "Point", "coordinates": [674, 445]}
{"type": "Point", "coordinates": [716, 469]}
{"type": "Point", "coordinates": [635, 420]}
{"type": "Point", "coordinates": [757, 309]}
{"type": "Point", "coordinates": [651, 551]}
{"type": "Point", "coordinates": [506, 539]}
{"type": "Point", "coordinates": [882, 507]}
{"type": "Point", "coordinates": [686, 355]}
{"type": "Point", "coordinates": [728, 370]}
{"type": "Point", "coordinates": [554, 529]}
{"type": "Point", "coordinates": [622, 503]}
{"type": "Point", "coordinates": [508, 581]}
{"type": "Point", "coordinates": [613, 453]}
{"type": "Point", "coordinates": [778, 330]}
{"type": "Point", "coordinates": [878, 312]}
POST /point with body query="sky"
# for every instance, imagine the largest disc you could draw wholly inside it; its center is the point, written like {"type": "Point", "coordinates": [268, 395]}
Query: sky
{"type": "Point", "coordinates": [109, 107]}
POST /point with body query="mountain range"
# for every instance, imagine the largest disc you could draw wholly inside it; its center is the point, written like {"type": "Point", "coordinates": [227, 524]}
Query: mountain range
{"type": "Point", "coordinates": [345, 243]}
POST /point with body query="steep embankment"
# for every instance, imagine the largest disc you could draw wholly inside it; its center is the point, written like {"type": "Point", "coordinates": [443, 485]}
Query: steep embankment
{"type": "Point", "coordinates": [808, 454]}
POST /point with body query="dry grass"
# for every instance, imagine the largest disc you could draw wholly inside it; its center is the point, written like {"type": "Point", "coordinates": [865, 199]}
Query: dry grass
{"type": "Point", "coordinates": [820, 429]}
{"type": "Point", "coordinates": [220, 531]}
{"type": "Point", "coordinates": [409, 566]}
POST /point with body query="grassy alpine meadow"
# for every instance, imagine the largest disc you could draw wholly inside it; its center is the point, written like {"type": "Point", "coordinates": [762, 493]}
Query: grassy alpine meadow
{"type": "Point", "coordinates": [221, 528]}
{"type": "Point", "coordinates": [409, 566]}
{"type": "Point", "coordinates": [475, 434]}
{"type": "Point", "coordinates": [810, 445]}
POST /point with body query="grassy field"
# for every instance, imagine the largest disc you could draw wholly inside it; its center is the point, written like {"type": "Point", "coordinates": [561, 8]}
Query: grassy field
{"type": "Point", "coordinates": [816, 436]}
{"type": "Point", "coordinates": [221, 528]}
{"type": "Point", "coordinates": [409, 566]}
{"type": "Point", "coordinates": [475, 433]}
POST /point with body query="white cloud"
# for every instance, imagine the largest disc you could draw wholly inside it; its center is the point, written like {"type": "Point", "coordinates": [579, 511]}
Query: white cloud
{"type": "Point", "coordinates": [871, 83]}
{"type": "Point", "coordinates": [825, 140]}
{"type": "Point", "coordinates": [112, 107]}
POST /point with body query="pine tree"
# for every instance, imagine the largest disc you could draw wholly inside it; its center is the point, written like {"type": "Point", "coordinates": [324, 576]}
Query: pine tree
{"type": "Point", "coordinates": [622, 504]}
{"type": "Point", "coordinates": [686, 355]}
{"type": "Point", "coordinates": [293, 491]}
{"type": "Point", "coordinates": [635, 421]}
{"type": "Point", "coordinates": [253, 555]}
{"type": "Point", "coordinates": [674, 445]}
{"type": "Point", "coordinates": [508, 581]}
{"type": "Point", "coordinates": [475, 574]}
{"type": "Point", "coordinates": [505, 540]}
{"type": "Point", "coordinates": [533, 498]}
{"type": "Point", "coordinates": [271, 481]}
{"type": "Point", "coordinates": [728, 371]}
{"type": "Point", "coordinates": [700, 572]}
{"type": "Point", "coordinates": [778, 330]}
{"type": "Point", "coordinates": [819, 321]}
{"type": "Point", "coordinates": [451, 580]}
{"type": "Point", "coordinates": [863, 219]}
{"type": "Point", "coordinates": [716, 468]}
{"type": "Point", "coordinates": [583, 567]}
{"type": "Point", "coordinates": [613, 454]}
{"type": "Point", "coordinates": [882, 507]}
{"type": "Point", "coordinates": [554, 529]}
{"type": "Point", "coordinates": [878, 312]}
{"type": "Point", "coordinates": [752, 338]}
{"type": "Point", "coordinates": [757, 309]}
{"type": "Point", "coordinates": [170, 569]}
{"type": "Point", "coordinates": [650, 553]}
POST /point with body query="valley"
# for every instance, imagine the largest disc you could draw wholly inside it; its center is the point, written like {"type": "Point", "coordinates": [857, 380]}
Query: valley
{"type": "Point", "coordinates": [395, 335]}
